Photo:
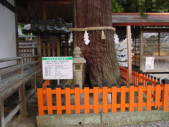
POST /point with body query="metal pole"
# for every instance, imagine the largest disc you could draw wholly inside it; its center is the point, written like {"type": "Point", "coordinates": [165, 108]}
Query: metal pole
{"type": "Point", "coordinates": [58, 82]}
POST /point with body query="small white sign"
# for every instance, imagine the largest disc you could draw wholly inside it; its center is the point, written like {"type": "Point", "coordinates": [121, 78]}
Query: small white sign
{"type": "Point", "coordinates": [57, 68]}
{"type": "Point", "coordinates": [149, 63]}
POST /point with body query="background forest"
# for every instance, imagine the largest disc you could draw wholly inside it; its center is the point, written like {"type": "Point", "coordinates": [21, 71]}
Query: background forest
{"type": "Point", "coordinates": [140, 6]}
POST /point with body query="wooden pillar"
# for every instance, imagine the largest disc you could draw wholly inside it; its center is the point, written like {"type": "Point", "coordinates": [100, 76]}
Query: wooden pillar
{"type": "Point", "coordinates": [58, 47]}
{"type": "Point", "coordinates": [75, 23]}
{"type": "Point", "coordinates": [49, 49]}
{"type": "Point", "coordinates": [0, 77]}
{"type": "Point", "coordinates": [129, 50]}
{"type": "Point", "coordinates": [2, 116]}
{"type": "Point", "coordinates": [39, 47]}
{"type": "Point", "coordinates": [22, 100]}
{"type": "Point", "coordinates": [158, 43]}
{"type": "Point", "coordinates": [44, 12]}
{"type": "Point", "coordinates": [141, 51]}
{"type": "Point", "coordinates": [35, 82]}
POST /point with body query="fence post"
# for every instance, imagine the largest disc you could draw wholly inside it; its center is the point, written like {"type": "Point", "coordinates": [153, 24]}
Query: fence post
{"type": "Point", "coordinates": [40, 101]}
{"type": "Point", "coordinates": [77, 100]}
{"type": "Point", "coordinates": [131, 97]}
{"type": "Point", "coordinates": [58, 101]}
{"type": "Point", "coordinates": [123, 97]}
{"type": "Point", "coordinates": [140, 97]}
{"type": "Point", "coordinates": [86, 100]}
{"type": "Point", "coordinates": [49, 101]}
{"type": "Point", "coordinates": [149, 87]}
{"type": "Point", "coordinates": [114, 97]}
{"type": "Point", "coordinates": [68, 100]}
{"type": "Point", "coordinates": [157, 95]}
{"type": "Point", "coordinates": [105, 99]}
{"type": "Point", "coordinates": [95, 99]}
{"type": "Point", "coordinates": [166, 95]}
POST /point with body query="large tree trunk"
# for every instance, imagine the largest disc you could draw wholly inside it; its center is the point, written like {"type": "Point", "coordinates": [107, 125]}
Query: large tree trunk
{"type": "Point", "coordinates": [100, 54]}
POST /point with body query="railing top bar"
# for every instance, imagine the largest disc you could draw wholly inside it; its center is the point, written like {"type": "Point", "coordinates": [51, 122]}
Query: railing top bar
{"type": "Point", "coordinates": [30, 56]}
{"type": "Point", "coordinates": [17, 66]}
{"type": "Point", "coordinates": [10, 59]}
{"type": "Point", "coordinates": [15, 58]}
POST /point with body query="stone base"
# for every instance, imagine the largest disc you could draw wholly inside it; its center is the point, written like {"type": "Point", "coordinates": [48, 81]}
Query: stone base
{"type": "Point", "coordinates": [107, 119]}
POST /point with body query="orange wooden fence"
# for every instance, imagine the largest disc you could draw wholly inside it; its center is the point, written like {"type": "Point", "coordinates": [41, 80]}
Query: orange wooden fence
{"type": "Point", "coordinates": [137, 77]}
{"type": "Point", "coordinates": [105, 99]}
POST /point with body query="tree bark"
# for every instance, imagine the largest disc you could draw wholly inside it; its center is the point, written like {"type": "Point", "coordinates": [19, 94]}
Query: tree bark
{"type": "Point", "coordinates": [100, 54]}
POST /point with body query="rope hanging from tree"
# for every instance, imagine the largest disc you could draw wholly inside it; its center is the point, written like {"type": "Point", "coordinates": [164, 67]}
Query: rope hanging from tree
{"type": "Point", "coordinates": [86, 34]}
{"type": "Point", "coordinates": [93, 28]}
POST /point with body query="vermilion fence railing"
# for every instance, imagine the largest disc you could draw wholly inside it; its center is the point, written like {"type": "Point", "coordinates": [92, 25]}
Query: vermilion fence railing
{"type": "Point", "coordinates": [137, 77]}
{"type": "Point", "coordinates": [105, 99]}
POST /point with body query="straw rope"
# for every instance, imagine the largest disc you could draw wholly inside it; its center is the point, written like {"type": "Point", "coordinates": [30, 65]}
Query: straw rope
{"type": "Point", "coordinates": [93, 28]}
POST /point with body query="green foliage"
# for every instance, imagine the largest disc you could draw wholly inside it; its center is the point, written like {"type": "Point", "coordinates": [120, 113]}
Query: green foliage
{"type": "Point", "coordinates": [140, 6]}
{"type": "Point", "coordinates": [116, 7]}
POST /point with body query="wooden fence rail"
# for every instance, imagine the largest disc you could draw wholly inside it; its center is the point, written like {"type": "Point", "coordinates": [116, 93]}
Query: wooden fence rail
{"type": "Point", "coordinates": [137, 77]}
{"type": "Point", "coordinates": [105, 99]}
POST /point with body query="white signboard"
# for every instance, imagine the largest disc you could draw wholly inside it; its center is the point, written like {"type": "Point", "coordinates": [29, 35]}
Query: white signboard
{"type": "Point", "coordinates": [57, 68]}
{"type": "Point", "coordinates": [149, 63]}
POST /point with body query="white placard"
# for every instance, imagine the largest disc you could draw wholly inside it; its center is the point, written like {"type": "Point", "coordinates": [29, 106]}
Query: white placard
{"type": "Point", "coordinates": [57, 68]}
{"type": "Point", "coordinates": [149, 63]}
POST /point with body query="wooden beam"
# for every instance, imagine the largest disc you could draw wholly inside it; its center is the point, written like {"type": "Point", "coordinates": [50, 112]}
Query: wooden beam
{"type": "Point", "coordinates": [44, 12]}
{"type": "Point", "coordinates": [63, 2]}
{"type": "Point", "coordinates": [129, 45]}
{"type": "Point", "coordinates": [141, 24]}
{"type": "Point", "coordinates": [8, 5]}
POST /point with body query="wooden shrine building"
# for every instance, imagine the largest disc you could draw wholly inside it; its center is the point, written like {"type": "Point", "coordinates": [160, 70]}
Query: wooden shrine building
{"type": "Point", "coordinates": [150, 36]}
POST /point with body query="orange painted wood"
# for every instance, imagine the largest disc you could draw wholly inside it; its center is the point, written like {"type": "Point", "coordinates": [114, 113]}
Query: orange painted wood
{"type": "Point", "coordinates": [140, 78]}
{"type": "Point", "coordinates": [77, 100]}
{"type": "Point", "coordinates": [149, 95]}
{"type": "Point", "coordinates": [137, 77]}
{"type": "Point", "coordinates": [58, 101]}
{"type": "Point", "coordinates": [144, 81]}
{"type": "Point", "coordinates": [68, 100]}
{"type": "Point", "coordinates": [157, 96]}
{"type": "Point", "coordinates": [123, 98]}
{"type": "Point", "coordinates": [49, 101]}
{"type": "Point", "coordinates": [105, 99]}
{"type": "Point", "coordinates": [86, 100]}
{"type": "Point", "coordinates": [40, 101]}
{"type": "Point", "coordinates": [153, 93]}
{"type": "Point", "coordinates": [46, 83]}
{"type": "Point", "coordinates": [131, 108]}
{"type": "Point", "coordinates": [166, 97]}
{"type": "Point", "coordinates": [114, 99]}
{"type": "Point", "coordinates": [96, 99]}
{"type": "Point", "coordinates": [140, 98]}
